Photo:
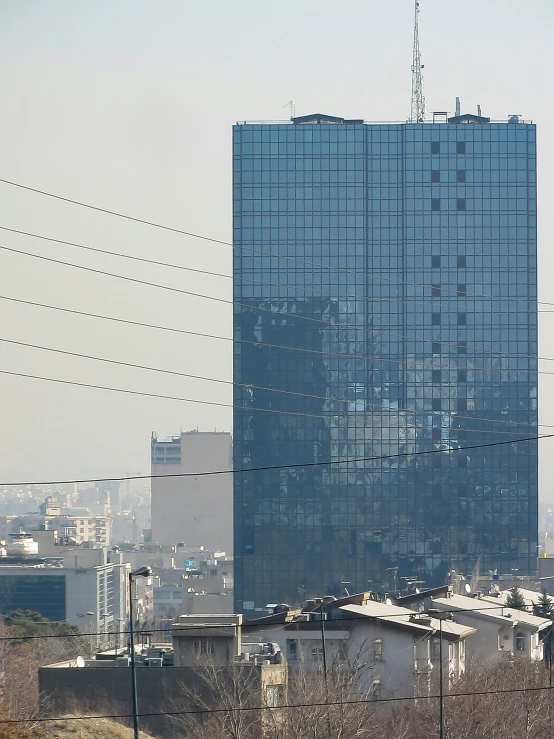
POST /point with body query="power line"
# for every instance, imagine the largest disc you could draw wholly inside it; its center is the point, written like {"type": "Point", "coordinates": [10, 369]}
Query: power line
{"type": "Point", "coordinates": [280, 285]}
{"type": "Point", "coordinates": [256, 308]}
{"type": "Point", "coordinates": [252, 626]}
{"type": "Point", "coordinates": [179, 290]}
{"type": "Point", "coordinates": [286, 347]}
{"type": "Point", "coordinates": [171, 372]}
{"type": "Point", "coordinates": [379, 409]}
{"type": "Point", "coordinates": [236, 246]}
{"type": "Point", "coordinates": [234, 709]}
{"type": "Point", "coordinates": [281, 466]}
{"type": "Point", "coordinates": [126, 391]}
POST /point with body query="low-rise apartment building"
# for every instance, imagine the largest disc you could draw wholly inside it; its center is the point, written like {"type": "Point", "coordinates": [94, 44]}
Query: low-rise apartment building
{"type": "Point", "coordinates": [393, 650]}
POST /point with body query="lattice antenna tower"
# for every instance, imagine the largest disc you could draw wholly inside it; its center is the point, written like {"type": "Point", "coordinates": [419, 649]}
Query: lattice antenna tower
{"type": "Point", "coordinates": [417, 114]}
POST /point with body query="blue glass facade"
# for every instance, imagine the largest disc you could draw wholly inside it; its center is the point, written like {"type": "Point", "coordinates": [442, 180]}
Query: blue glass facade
{"type": "Point", "coordinates": [385, 304]}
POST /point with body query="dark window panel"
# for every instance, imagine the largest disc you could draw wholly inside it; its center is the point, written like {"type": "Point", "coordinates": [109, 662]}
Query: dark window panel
{"type": "Point", "coordinates": [461, 175]}
{"type": "Point", "coordinates": [436, 375]}
{"type": "Point", "coordinates": [435, 147]}
{"type": "Point", "coordinates": [462, 319]}
{"type": "Point", "coordinates": [461, 204]}
{"type": "Point", "coordinates": [436, 347]}
{"type": "Point", "coordinates": [461, 261]}
{"type": "Point", "coordinates": [435, 175]}
{"type": "Point", "coordinates": [436, 319]}
{"type": "Point", "coordinates": [436, 289]}
{"type": "Point", "coordinates": [462, 375]}
{"type": "Point", "coordinates": [460, 147]}
{"type": "Point", "coordinates": [435, 261]}
{"type": "Point", "coordinates": [435, 204]}
{"type": "Point", "coordinates": [461, 289]}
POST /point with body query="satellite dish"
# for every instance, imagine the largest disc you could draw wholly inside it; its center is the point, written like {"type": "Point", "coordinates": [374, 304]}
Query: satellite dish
{"type": "Point", "coordinates": [80, 661]}
{"type": "Point", "coordinates": [467, 588]}
{"type": "Point", "coordinates": [388, 602]}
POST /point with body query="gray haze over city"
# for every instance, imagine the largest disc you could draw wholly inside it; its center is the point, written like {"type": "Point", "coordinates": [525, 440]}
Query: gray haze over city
{"type": "Point", "coordinates": [129, 106]}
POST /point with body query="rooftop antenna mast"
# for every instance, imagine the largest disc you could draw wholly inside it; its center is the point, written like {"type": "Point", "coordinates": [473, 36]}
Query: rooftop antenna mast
{"type": "Point", "coordinates": [417, 114]}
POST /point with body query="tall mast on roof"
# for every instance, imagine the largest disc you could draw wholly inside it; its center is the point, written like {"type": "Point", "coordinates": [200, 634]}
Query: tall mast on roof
{"type": "Point", "coordinates": [417, 114]}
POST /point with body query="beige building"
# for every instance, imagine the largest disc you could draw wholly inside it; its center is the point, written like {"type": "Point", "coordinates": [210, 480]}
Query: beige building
{"type": "Point", "coordinates": [186, 507]}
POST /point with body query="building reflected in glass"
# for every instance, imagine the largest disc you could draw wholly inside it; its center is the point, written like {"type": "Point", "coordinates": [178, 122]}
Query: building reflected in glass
{"type": "Point", "coordinates": [385, 305]}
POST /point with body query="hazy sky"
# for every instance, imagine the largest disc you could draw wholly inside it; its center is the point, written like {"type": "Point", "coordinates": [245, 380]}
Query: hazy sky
{"type": "Point", "coordinates": [129, 106]}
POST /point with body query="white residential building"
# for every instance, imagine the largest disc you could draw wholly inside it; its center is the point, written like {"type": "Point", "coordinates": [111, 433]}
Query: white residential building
{"type": "Point", "coordinates": [500, 632]}
{"type": "Point", "coordinates": [394, 650]}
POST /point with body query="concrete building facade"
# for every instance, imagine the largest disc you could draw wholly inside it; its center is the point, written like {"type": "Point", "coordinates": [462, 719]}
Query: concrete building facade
{"type": "Point", "coordinates": [192, 509]}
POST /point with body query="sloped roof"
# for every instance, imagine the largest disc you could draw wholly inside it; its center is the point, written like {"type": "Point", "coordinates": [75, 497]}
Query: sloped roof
{"type": "Point", "coordinates": [492, 609]}
{"type": "Point", "coordinates": [396, 616]}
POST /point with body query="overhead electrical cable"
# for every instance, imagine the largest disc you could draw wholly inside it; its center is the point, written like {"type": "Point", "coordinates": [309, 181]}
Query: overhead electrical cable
{"type": "Point", "coordinates": [262, 252]}
{"type": "Point", "coordinates": [379, 409]}
{"type": "Point", "coordinates": [268, 468]}
{"type": "Point", "coordinates": [256, 308]}
{"type": "Point", "coordinates": [260, 343]}
{"type": "Point", "coordinates": [288, 706]}
{"type": "Point", "coordinates": [282, 286]}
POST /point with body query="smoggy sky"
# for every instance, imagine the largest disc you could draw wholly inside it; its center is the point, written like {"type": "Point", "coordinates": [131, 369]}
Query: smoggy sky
{"type": "Point", "coordinates": [129, 105]}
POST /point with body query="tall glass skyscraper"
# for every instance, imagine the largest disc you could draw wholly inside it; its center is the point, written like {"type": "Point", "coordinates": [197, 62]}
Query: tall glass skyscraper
{"type": "Point", "coordinates": [385, 307]}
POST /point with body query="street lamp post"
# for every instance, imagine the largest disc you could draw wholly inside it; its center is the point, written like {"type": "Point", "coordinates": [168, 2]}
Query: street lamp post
{"type": "Point", "coordinates": [141, 572]}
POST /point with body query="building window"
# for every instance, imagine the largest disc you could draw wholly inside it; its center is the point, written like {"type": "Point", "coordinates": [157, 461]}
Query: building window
{"type": "Point", "coordinates": [520, 641]}
{"type": "Point", "coordinates": [213, 572]}
{"type": "Point", "coordinates": [461, 175]}
{"type": "Point", "coordinates": [462, 319]}
{"type": "Point", "coordinates": [436, 376]}
{"type": "Point", "coordinates": [435, 175]}
{"type": "Point", "coordinates": [292, 650]}
{"type": "Point", "coordinates": [436, 404]}
{"type": "Point", "coordinates": [436, 290]}
{"type": "Point", "coordinates": [462, 347]}
{"type": "Point", "coordinates": [435, 649]}
{"type": "Point", "coordinates": [462, 404]}
{"type": "Point", "coordinates": [462, 375]}
{"type": "Point", "coordinates": [436, 433]}
{"type": "Point", "coordinates": [317, 654]}
{"type": "Point", "coordinates": [435, 147]}
{"type": "Point", "coordinates": [274, 695]}
{"type": "Point", "coordinates": [435, 204]}
{"type": "Point", "coordinates": [460, 147]}
{"type": "Point", "coordinates": [435, 261]}
{"type": "Point", "coordinates": [376, 688]}
{"type": "Point", "coordinates": [461, 204]}
{"type": "Point", "coordinates": [203, 646]}
{"type": "Point", "coordinates": [436, 319]}
{"type": "Point", "coordinates": [378, 650]}
{"type": "Point", "coordinates": [461, 261]}
{"type": "Point", "coordinates": [462, 650]}
{"type": "Point", "coordinates": [461, 290]}
{"type": "Point", "coordinates": [436, 347]}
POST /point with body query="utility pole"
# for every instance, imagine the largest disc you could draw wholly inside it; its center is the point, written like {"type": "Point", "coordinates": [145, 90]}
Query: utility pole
{"type": "Point", "coordinates": [324, 655]}
{"type": "Point", "coordinates": [417, 114]}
